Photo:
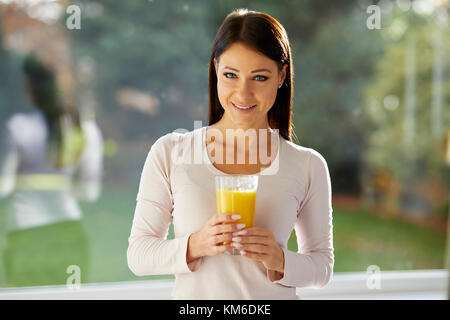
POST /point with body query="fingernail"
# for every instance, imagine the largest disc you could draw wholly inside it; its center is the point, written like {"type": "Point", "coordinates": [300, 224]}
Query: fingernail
{"type": "Point", "coordinates": [240, 226]}
{"type": "Point", "coordinates": [235, 217]}
{"type": "Point", "coordinates": [243, 252]}
{"type": "Point", "coordinates": [237, 245]}
{"type": "Point", "coordinates": [236, 239]}
{"type": "Point", "coordinates": [239, 233]}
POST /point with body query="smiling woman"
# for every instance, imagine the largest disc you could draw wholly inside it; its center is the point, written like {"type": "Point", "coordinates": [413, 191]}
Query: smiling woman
{"type": "Point", "coordinates": [250, 95]}
{"type": "Point", "coordinates": [257, 50]}
{"type": "Point", "coordinates": [247, 95]}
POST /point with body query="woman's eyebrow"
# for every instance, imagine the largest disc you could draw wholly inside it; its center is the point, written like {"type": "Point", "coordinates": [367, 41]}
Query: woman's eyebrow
{"type": "Point", "coordinates": [254, 71]}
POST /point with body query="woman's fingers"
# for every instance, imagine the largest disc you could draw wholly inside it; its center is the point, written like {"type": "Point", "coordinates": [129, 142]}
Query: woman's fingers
{"type": "Point", "coordinates": [255, 231]}
{"type": "Point", "coordinates": [253, 255]}
{"type": "Point", "coordinates": [220, 218]}
{"type": "Point", "coordinates": [221, 248]}
{"type": "Point", "coordinates": [222, 233]}
{"type": "Point", "coordinates": [251, 239]}
{"type": "Point", "coordinates": [227, 228]}
{"type": "Point", "coordinates": [254, 241]}
{"type": "Point", "coordinates": [220, 239]}
{"type": "Point", "coordinates": [255, 248]}
{"type": "Point", "coordinates": [259, 244]}
{"type": "Point", "coordinates": [224, 223]}
{"type": "Point", "coordinates": [254, 235]}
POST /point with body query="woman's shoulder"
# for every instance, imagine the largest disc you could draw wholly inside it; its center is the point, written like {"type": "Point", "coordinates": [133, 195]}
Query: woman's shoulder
{"type": "Point", "coordinates": [25, 124]}
{"type": "Point", "coordinates": [175, 148]}
{"type": "Point", "coordinates": [176, 139]}
{"type": "Point", "coordinates": [304, 155]}
{"type": "Point", "coordinates": [301, 151]}
{"type": "Point", "coordinates": [21, 118]}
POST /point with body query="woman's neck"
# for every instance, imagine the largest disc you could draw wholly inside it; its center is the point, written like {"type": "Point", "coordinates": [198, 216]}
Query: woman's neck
{"type": "Point", "coordinates": [248, 138]}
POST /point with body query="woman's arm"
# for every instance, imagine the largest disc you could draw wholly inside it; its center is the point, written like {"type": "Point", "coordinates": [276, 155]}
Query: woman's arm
{"type": "Point", "coordinates": [312, 265]}
{"type": "Point", "coordinates": [149, 253]}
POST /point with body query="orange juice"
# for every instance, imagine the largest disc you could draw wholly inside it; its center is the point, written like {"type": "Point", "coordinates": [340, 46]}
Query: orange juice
{"type": "Point", "coordinates": [237, 202]}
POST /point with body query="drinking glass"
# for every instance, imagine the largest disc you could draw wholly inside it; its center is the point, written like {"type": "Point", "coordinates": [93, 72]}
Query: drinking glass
{"type": "Point", "coordinates": [236, 194]}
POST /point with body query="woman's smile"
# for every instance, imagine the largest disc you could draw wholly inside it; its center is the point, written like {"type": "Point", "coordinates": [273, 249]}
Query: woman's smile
{"type": "Point", "coordinates": [243, 108]}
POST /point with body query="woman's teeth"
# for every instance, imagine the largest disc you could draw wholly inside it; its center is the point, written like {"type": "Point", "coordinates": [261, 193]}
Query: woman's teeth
{"type": "Point", "coordinates": [242, 107]}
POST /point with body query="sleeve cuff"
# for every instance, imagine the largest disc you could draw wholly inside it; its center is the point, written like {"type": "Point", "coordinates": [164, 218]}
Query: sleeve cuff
{"type": "Point", "coordinates": [194, 264]}
{"type": "Point", "coordinates": [277, 277]}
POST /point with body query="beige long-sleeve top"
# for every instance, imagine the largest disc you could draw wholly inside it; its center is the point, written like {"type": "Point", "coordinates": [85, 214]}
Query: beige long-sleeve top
{"type": "Point", "coordinates": [177, 184]}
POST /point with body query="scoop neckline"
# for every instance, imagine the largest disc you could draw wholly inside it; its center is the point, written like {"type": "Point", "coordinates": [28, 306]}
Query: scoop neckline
{"type": "Point", "coordinates": [212, 168]}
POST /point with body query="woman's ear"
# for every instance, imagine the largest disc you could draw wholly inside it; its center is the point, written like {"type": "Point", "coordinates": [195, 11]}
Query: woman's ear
{"type": "Point", "coordinates": [283, 74]}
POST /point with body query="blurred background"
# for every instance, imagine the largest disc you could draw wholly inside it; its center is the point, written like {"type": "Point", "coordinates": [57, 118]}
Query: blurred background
{"type": "Point", "coordinates": [373, 101]}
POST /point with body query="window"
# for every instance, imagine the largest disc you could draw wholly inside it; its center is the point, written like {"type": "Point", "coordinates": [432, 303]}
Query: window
{"type": "Point", "coordinates": [128, 72]}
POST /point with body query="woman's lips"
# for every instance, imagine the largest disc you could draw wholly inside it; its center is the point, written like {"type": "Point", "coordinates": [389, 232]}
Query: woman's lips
{"type": "Point", "coordinates": [243, 110]}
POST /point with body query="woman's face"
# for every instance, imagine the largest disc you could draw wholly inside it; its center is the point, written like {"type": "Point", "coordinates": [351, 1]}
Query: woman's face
{"type": "Point", "coordinates": [247, 78]}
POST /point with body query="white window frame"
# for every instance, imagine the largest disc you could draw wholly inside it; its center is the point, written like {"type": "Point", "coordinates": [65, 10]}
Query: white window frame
{"type": "Point", "coordinates": [410, 285]}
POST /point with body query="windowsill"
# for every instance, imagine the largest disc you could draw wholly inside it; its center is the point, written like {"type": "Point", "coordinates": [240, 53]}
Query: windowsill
{"type": "Point", "coordinates": [414, 284]}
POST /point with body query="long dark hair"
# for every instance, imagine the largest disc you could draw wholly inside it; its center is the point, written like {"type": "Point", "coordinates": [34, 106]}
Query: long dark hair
{"type": "Point", "coordinates": [66, 139]}
{"type": "Point", "coordinates": [265, 34]}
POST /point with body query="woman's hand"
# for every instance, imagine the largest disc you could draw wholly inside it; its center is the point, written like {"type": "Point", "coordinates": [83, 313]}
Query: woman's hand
{"type": "Point", "coordinates": [214, 238]}
{"type": "Point", "coordinates": [259, 244]}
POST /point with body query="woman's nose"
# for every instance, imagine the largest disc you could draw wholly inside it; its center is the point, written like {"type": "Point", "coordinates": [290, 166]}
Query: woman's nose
{"type": "Point", "coordinates": [245, 91]}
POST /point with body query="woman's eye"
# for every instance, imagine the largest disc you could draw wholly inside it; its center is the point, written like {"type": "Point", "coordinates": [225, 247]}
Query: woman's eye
{"type": "Point", "coordinates": [263, 78]}
{"type": "Point", "coordinates": [232, 75]}
{"type": "Point", "coordinates": [226, 74]}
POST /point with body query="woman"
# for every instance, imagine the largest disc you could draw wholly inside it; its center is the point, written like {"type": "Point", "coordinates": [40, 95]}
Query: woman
{"type": "Point", "coordinates": [48, 159]}
{"type": "Point", "coordinates": [250, 90]}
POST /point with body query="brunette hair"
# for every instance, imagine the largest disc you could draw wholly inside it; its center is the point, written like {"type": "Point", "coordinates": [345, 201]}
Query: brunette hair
{"type": "Point", "coordinates": [265, 34]}
{"type": "Point", "coordinates": [65, 147]}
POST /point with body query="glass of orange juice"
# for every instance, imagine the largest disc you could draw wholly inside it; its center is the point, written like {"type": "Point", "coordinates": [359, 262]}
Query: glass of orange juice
{"type": "Point", "coordinates": [236, 194]}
